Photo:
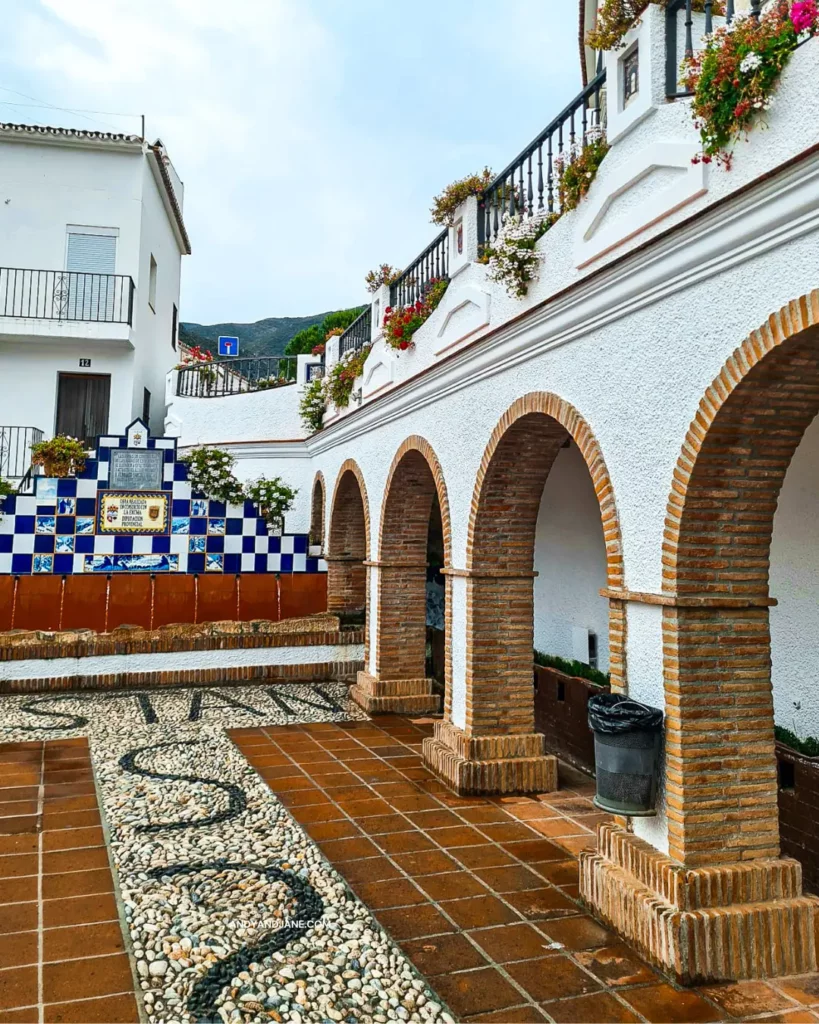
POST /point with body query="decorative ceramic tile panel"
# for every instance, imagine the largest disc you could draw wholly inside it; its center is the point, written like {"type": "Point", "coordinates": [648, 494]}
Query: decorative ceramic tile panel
{"type": "Point", "coordinates": [67, 525]}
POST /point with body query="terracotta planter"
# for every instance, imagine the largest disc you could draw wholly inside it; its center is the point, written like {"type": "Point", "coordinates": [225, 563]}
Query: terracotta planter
{"type": "Point", "coordinates": [798, 794]}
{"type": "Point", "coordinates": [560, 714]}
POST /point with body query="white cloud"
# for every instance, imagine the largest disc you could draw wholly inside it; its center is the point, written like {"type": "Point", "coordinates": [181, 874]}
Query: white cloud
{"type": "Point", "coordinates": [310, 134]}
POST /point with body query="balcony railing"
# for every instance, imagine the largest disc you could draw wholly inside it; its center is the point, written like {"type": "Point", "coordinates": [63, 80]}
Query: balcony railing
{"type": "Point", "coordinates": [529, 184]}
{"type": "Point", "coordinates": [15, 450]}
{"type": "Point", "coordinates": [415, 281]}
{"type": "Point", "coordinates": [66, 296]}
{"type": "Point", "coordinates": [235, 376]}
{"type": "Point", "coordinates": [672, 57]}
{"type": "Point", "coordinates": [358, 334]}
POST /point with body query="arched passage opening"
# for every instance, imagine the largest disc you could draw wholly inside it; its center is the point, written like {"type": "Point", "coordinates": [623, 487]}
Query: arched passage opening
{"type": "Point", "coordinates": [413, 551]}
{"type": "Point", "coordinates": [317, 512]}
{"type": "Point", "coordinates": [722, 904]}
{"type": "Point", "coordinates": [717, 557]}
{"type": "Point", "coordinates": [488, 742]}
{"type": "Point", "coordinates": [348, 544]}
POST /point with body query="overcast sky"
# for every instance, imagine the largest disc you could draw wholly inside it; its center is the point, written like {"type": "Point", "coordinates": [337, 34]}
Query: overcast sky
{"type": "Point", "coordinates": [310, 134]}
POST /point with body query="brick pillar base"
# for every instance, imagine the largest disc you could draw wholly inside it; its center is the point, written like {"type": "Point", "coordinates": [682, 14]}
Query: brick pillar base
{"type": "Point", "coordinates": [746, 919]}
{"type": "Point", "coordinates": [394, 696]}
{"type": "Point", "coordinates": [490, 764]}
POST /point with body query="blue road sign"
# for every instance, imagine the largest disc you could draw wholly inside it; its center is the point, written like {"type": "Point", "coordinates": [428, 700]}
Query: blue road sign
{"type": "Point", "coordinates": [228, 346]}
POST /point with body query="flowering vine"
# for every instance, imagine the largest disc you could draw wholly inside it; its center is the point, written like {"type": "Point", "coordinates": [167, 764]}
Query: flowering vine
{"type": "Point", "coordinates": [340, 380]}
{"type": "Point", "coordinates": [616, 17]}
{"type": "Point", "coordinates": [513, 258]}
{"type": "Point", "coordinates": [734, 76]}
{"type": "Point", "coordinates": [577, 168]}
{"type": "Point", "coordinates": [313, 405]}
{"type": "Point", "coordinates": [446, 203]}
{"type": "Point", "coordinates": [401, 322]}
{"type": "Point", "coordinates": [385, 274]}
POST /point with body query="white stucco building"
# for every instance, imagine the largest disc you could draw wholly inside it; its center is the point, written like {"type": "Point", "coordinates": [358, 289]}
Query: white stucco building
{"type": "Point", "coordinates": [624, 460]}
{"type": "Point", "coordinates": [91, 240]}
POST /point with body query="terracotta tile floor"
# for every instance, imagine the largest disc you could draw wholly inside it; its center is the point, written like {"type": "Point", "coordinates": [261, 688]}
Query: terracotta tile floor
{"type": "Point", "coordinates": [482, 893]}
{"type": "Point", "coordinates": [61, 947]}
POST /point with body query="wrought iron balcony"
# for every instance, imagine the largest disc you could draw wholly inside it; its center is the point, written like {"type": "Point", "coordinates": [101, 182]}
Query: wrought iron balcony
{"type": "Point", "coordinates": [358, 334]}
{"type": "Point", "coordinates": [418, 277]}
{"type": "Point", "coordinates": [235, 376]}
{"type": "Point", "coordinates": [15, 450]}
{"type": "Point", "coordinates": [66, 296]}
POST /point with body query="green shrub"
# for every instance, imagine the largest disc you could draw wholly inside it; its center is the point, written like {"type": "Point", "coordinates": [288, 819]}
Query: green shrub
{"type": "Point", "coordinates": [809, 746]}
{"type": "Point", "coordinates": [573, 668]}
{"type": "Point", "coordinates": [305, 341]}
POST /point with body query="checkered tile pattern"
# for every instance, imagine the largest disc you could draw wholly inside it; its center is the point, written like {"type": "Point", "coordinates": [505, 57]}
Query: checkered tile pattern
{"type": "Point", "coordinates": [59, 534]}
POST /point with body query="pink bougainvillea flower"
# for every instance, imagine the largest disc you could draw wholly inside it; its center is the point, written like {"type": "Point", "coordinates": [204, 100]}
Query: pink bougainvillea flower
{"type": "Point", "coordinates": [805, 15]}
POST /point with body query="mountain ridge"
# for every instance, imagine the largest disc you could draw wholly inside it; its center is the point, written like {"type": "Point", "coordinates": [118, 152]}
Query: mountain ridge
{"type": "Point", "coordinates": [266, 337]}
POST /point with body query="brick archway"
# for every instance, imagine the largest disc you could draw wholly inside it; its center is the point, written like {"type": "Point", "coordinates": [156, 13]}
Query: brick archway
{"type": "Point", "coordinates": [716, 552]}
{"type": "Point", "coordinates": [317, 510]}
{"type": "Point", "coordinates": [497, 748]}
{"type": "Point", "coordinates": [500, 554]}
{"type": "Point", "coordinates": [348, 545]}
{"type": "Point", "coordinates": [414, 480]}
{"type": "Point", "coordinates": [722, 904]}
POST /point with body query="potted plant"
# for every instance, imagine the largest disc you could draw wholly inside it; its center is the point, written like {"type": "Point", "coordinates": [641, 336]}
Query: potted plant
{"type": "Point", "coordinates": [272, 498]}
{"type": "Point", "coordinates": [61, 456]}
{"type": "Point", "coordinates": [6, 489]}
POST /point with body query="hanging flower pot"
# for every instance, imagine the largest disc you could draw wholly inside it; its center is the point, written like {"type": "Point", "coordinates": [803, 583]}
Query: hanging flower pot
{"type": "Point", "coordinates": [61, 456]}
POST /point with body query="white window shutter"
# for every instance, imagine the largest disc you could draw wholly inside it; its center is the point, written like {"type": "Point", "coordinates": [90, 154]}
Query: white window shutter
{"type": "Point", "coordinates": [91, 254]}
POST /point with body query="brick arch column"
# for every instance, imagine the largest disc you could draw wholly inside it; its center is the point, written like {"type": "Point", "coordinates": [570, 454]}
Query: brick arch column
{"type": "Point", "coordinates": [489, 744]}
{"type": "Point", "coordinates": [348, 546]}
{"type": "Point", "coordinates": [317, 511]}
{"type": "Point", "coordinates": [722, 903]}
{"type": "Point", "coordinates": [398, 681]}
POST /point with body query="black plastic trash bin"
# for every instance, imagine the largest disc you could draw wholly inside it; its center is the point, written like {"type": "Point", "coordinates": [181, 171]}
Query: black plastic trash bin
{"type": "Point", "coordinates": [627, 738]}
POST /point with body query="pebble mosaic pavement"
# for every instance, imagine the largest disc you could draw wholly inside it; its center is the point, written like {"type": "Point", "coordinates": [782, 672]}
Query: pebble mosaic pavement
{"type": "Point", "coordinates": [233, 914]}
{"type": "Point", "coordinates": [239, 820]}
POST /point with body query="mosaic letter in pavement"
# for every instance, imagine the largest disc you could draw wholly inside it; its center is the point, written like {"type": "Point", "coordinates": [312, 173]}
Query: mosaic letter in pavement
{"type": "Point", "coordinates": [232, 911]}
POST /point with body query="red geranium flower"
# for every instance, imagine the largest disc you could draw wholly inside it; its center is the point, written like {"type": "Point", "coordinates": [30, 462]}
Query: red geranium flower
{"type": "Point", "coordinates": [404, 345]}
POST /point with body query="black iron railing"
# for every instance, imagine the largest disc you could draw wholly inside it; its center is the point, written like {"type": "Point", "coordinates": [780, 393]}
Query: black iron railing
{"type": "Point", "coordinates": [65, 295]}
{"type": "Point", "coordinates": [672, 55]}
{"type": "Point", "coordinates": [15, 450]}
{"type": "Point", "coordinates": [416, 280]}
{"type": "Point", "coordinates": [235, 376]}
{"type": "Point", "coordinates": [358, 334]}
{"type": "Point", "coordinates": [529, 184]}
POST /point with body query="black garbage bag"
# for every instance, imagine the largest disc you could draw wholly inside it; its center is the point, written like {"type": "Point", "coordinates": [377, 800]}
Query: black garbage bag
{"type": "Point", "coordinates": [614, 713]}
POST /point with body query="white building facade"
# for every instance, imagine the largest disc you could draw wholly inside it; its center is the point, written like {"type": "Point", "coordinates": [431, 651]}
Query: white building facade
{"type": "Point", "coordinates": [628, 454]}
{"type": "Point", "coordinates": [91, 240]}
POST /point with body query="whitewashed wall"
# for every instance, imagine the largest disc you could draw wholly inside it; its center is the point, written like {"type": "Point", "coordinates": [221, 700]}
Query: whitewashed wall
{"type": "Point", "coordinates": [570, 559]}
{"type": "Point", "coordinates": [795, 585]}
{"type": "Point", "coordinates": [632, 345]}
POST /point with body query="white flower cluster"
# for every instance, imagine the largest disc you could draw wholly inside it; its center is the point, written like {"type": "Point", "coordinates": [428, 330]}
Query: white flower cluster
{"type": "Point", "coordinates": [750, 62]}
{"type": "Point", "coordinates": [210, 470]}
{"type": "Point", "coordinates": [272, 497]}
{"type": "Point", "coordinates": [514, 259]}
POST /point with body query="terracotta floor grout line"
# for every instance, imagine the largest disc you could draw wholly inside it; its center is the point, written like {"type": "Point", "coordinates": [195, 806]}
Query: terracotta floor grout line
{"type": "Point", "coordinates": [443, 806]}
{"type": "Point", "coordinates": [489, 963]}
{"type": "Point", "coordinates": [444, 850]}
{"type": "Point", "coordinates": [40, 909]}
